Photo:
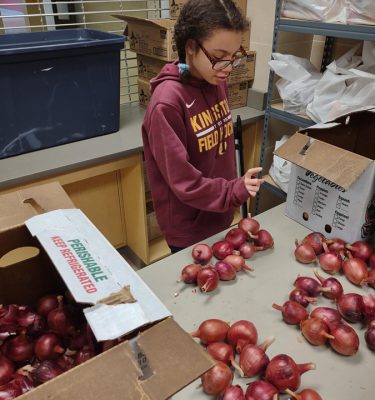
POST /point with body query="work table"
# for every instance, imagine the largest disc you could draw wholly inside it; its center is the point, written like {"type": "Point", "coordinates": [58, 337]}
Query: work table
{"type": "Point", "coordinates": [251, 296]}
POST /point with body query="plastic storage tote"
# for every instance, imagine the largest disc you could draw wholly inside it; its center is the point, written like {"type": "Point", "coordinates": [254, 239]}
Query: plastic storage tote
{"type": "Point", "coordinates": [57, 87]}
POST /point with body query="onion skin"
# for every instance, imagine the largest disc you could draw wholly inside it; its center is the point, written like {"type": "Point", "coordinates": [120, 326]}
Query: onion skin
{"type": "Point", "coordinates": [336, 289]}
{"type": "Point", "coordinates": [225, 270]}
{"type": "Point", "coordinates": [330, 261]}
{"type": "Point", "coordinates": [305, 394]}
{"type": "Point", "coordinates": [346, 341]}
{"type": "Point", "coordinates": [236, 237]}
{"type": "Point", "coordinates": [368, 309]}
{"type": "Point", "coordinates": [315, 240]}
{"type": "Point", "coordinates": [301, 297]}
{"type": "Point", "coordinates": [360, 249]}
{"type": "Point", "coordinates": [350, 307]}
{"type": "Point", "coordinates": [46, 371]}
{"type": "Point", "coordinates": [241, 333]}
{"type": "Point", "coordinates": [238, 262]}
{"type": "Point", "coordinates": [293, 313]}
{"type": "Point", "coordinates": [201, 253]}
{"type": "Point", "coordinates": [221, 249]}
{"type": "Point", "coordinates": [304, 253]}
{"type": "Point", "coordinates": [211, 330]}
{"type": "Point", "coordinates": [315, 331]}
{"type": "Point", "coordinates": [337, 245]}
{"type": "Point", "coordinates": [217, 379]}
{"type": "Point", "coordinates": [310, 285]}
{"type": "Point", "coordinates": [247, 250]}
{"type": "Point", "coordinates": [370, 337]}
{"type": "Point", "coordinates": [48, 303]}
{"type": "Point", "coordinates": [6, 370]}
{"type": "Point", "coordinates": [264, 240]}
{"type": "Point", "coordinates": [371, 261]}
{"type": "Point", "coordinates": [261, 390]}
{"type": "Point", "coordinates": [224, 352]}
{"type": "Point", "coordinates": [207, 279]}
{"type": "Point", "coordinates": [233, 393]}
{"type": "Point", "coordinates": [48, 347]}
{"type": "Point", "coordinates": [18, 348]}
{"type": "Point", "coordinates": [355, 269]}
{"type": "Point", "coordinates": [189, 273]}
{"type": "Point", "coordinates": [249, 225]}
{"type": "Point", "coordinates": [329, 315]}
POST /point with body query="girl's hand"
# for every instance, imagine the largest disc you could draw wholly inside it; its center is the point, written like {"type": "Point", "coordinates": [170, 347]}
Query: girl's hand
{"type": "Point", "coordinates": [252, 183]}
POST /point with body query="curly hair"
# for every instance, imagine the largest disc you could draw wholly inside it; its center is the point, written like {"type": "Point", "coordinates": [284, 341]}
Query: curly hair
{"type": "Point", "coordinates": [198, 18]}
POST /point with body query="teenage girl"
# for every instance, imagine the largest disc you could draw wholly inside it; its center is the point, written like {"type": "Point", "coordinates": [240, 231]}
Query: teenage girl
{"type": "Point", "coordinates": [188, 129]}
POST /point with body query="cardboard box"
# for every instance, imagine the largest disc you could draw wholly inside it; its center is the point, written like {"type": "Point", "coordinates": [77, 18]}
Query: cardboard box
{"type": "Point", "coordinates": [238, 95]}
{"type": "Point", "coordinates": [59, 241]}
{"type": "Point", "coordinates": [144, 92]}
{"type": "Point", "coordinates": [245, 71]}
{"type": "Point", "coordinates": [148, 67]}
{"type": "Point", "coordinates": [332, 184]}
{"type": "Point", "coordinates": [151, 37]}
{"type": "Point", "coordinates": [175, 7]}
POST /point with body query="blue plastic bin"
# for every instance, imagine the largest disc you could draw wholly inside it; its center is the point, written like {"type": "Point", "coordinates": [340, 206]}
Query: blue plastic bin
{"type": "Point", "coordinates": [57, 87]}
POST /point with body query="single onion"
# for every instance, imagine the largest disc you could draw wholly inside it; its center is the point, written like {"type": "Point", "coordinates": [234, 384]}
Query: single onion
{"type": "Point", "coordinates": [241, 333]}
{"type": "Point", "coordinates": [305, 394]}
{"type": "Point", "coordinates": [201, 253]}
{"type": "Point", "coordinates": [46, 371]}
{"type": "Point", "coordinates": [248, 249]}
{"type": "Point", "coordinates": [253, 359]}
{"type": "Point", "coordinates": [355, 269]}
{"type": "Point", "coordinates": [360, 249]}
{"type": "Point", "coordinates": [345, 340]}
{"type": "Point", "coordinates": [207, 279]}
{"type": "Point", "coordinates": [336, 288]}
{"type": "Point", "coordinates": [236, 237]}
{"type": "Point", "coordinates": [249, 225]}
{"type": "Point", "coordinates": [293, 313]}
{"type": "Point", "coordinates": [284, 373]}
{"type": "Point", "coordinates": [48, 347]}
{"type": "Point", "coordinates": [6, 370]}
{"type": "Point", "coordinates": [330, 261]}
{"type": "Point", "coordinates": [264, 240]}
{"type": "Point", "coordinates": [316, 331]}
{"type": "Point", "coordinates": [261, 390]}
{"type": "Point", "coordinates": [315, 240]}
{"type": "Point", "coordinates": [60, 321]}
{"type": "Point", "coordinates": [350, 306]}
{"type": "Point", "coordinates": [211, 330]}
{"type": "Point", "coordinates": [368, 308]}
{"type": "Point", "coordinates": [225, 270]}
{"type": "Point", "coordinates": [224, 352]}
{"type": "Point", "coordinates": [238, 262]}
{"type": "Point", "coordinates": [329, 315]}
{"type": "Point", "coordinates": [19, 348]}
{"type": "Point", "coordinates": [189, 273]}
{"type": "Point", "coordinates": [233, 393]}
{"type": "Point", "coordinates": [370, 337]}
{"type": "Point", "coordinates": [310, 285]}
{"type": "Point", "coordinates": [83, 355]}
{"type": "Point", "coordinates": [47, 303]}
{"type": "Point", "coordinates": [217, 379]}
{"type": "Point", "coordinates": [337, 245]}
{"type": "Point", "coordinates": [304, 253]}
{"type": "Point", "coordinates": [301, 297]}
{"type": "Point", "coordinates": [65, 362]}
{"type": "Point", "coordinates": [221, 249]}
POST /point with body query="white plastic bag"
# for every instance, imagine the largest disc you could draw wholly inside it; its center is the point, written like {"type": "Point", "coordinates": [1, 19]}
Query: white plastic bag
{"type": "Point", "coordinates": [361, 12]}
{"type": "Point", "coordinates": [280, 169]}
{"type": "Point", "coordinates": [298, 80]}
{"type": "Point", "coordinates": [315, 10]}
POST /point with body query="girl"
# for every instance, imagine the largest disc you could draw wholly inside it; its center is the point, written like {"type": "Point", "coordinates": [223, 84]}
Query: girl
{"type": "Point", "coordinates": [188, 130]}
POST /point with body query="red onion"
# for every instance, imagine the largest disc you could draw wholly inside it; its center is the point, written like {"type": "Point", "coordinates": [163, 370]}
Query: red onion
{"type": "Point", "coordinates": [83, 355]}
{"type": "Point", "coordinates": [189, 273]}
{"type": "Point", "coordinates": [224, 352]}
{"type": "Point", "coordinates": [19, 348]}
{"type": "Point", "coordinates": [337, 245]}
{"type": "Point", "coordinates": [360, 249]}
{"type": "Point", "coordinates": [304, 253]}
{"type": "Point", "coordinates": [301, 297]}
{"type": "Point", "coordinates": [211, 330]}
{"type": "Point", "coordinates": [25, 316]}
{"type": "Point", "coordinates": [9, 391]}
{"type": "Point", "coordinates": [371, 278]}
{"type": "Point", "coordinates": [370, 337]}
{"type": "Point", "coordinates": [315, 240]}
{"type": "Point", "coordinates": [329, 315]}
{"type": "Point", "coordinates": [316, 331]}
{"type": "Point", "coordinates": [241, 333]}
{"type": "Point", "coordinates": [23, 381]}
{"type": "Point", "coordinates": [207, 279]}
{"type": "Point", "coordinates": [65, 362]}
{"type": "Point", "coordinates": [305, 394]}
{"type": "Point", "coordinates": [345, 340]}
{"type": "Point", "coordinates": [81, 339]}
{"type": "Point", "coordinates": [261, 390]}
{"type": "Point", "coordinates": [310, 285]}
{"type": "Point", "coordinates": [253, 359]}
{"type": "Point", "coordinates": [8, 314]}
{"type": "Point", "coordinates": [355, 269]}
{"type": "Point", "coordinates": [371, 261]}
{"type": "Point", "coordinates": [336, 289]}
{"type": "Point", "coordinates": [225, 270]}
{"type": "Point", "coordinates": [293, 313]}
{"type": "Point", "coordinates": [6, 370]}
{"type": "Point", "coordinates": [60, 321]}
{"type": "Point", "coordinates": [233, 393]}
{"type": "Point", "coordinates": [330, 261]}
{"type": "Point", "coordinates": [249, 225]}
{"type": "Point", "coordinates": [284, 373]}
{"type": "Point", "coordinates": [221, 249]}
{"type": "Point", "coordinates": [238, 262]}
{"type": "Point", "coordinates": [46, 371]}
{"type": "Point", "coordinates": [368, 308]}
{"type": "Point", "coordinates": [350, 306]}
{"type": "Point", "coordinates": [201, 253]}
{"type": "Point", "coordinates": [264, 240]}
{"type": "Point", "coordinates": [235, 237]}
{"type": "Point", "coordinates": [48, 347]}
{"type": "Point", "coordinates": [7, 330]}
{"type": "Point", "coordinates": [48, 303]}
{"type": "Point", "coordinates": [248, 249]}
{"type": "Point", "coordinates": [217, 379]}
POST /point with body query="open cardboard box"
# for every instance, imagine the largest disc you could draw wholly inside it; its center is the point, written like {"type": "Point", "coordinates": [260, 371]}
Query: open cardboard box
{"type": "Point", "coordinates": [332, 183]}
{"type": "Point", "coordinates": [54, 250]}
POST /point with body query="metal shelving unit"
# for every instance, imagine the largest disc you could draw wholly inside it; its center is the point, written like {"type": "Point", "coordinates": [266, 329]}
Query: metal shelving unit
{"type": "Point", "coordinates": [330, 31]}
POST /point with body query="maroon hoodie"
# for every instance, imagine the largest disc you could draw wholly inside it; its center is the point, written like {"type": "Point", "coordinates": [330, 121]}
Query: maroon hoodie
{"type": "Point", "coordinates": [189, 150]}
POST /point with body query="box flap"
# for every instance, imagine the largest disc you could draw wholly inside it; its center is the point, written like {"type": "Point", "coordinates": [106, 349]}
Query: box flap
{"type": "Point", "coordinates": [159, 22]}
{"type": "Point", "coordinates": [338, 165]}
{"type": "Point", "coordinates": [18, 206]}
{"type": "Point", "coordinates": [94, 271]}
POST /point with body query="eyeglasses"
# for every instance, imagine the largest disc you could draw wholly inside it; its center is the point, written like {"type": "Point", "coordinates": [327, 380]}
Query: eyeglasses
{"type": "Point", "coordinates": [218, 65]}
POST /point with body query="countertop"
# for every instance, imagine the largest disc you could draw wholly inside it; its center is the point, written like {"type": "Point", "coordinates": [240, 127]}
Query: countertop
{"type": "Point", "coordinates": [251, 296]}
{"type": "Point", "coordinates": [128, 140]}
